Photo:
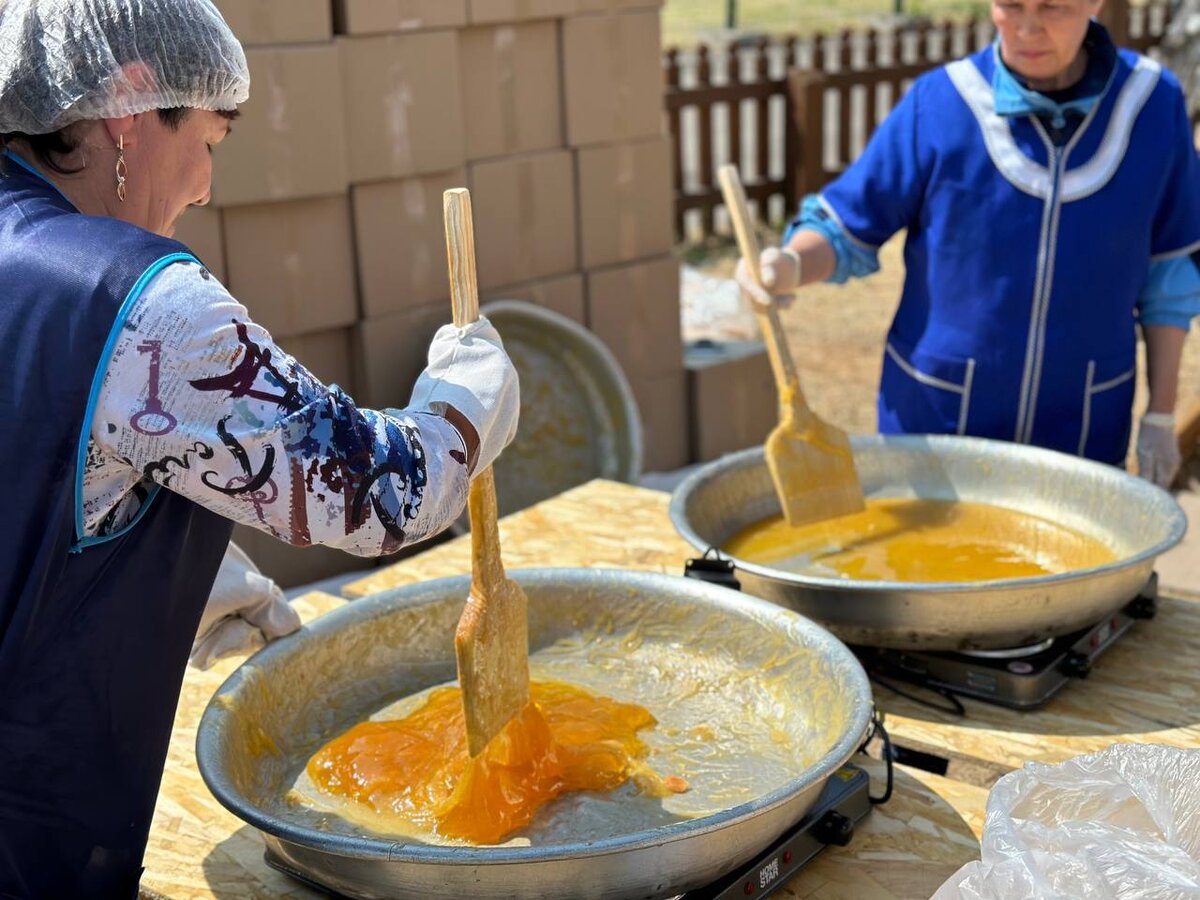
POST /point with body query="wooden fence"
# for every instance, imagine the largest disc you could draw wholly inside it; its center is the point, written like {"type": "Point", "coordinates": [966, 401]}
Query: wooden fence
{"type": "Point", "coordinates": [792, 112]}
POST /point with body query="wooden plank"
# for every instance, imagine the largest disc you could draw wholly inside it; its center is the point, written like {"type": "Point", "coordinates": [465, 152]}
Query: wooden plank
{"type": "Point", "coordinates": [674, 119]}
{"type": "Point", "coordinates": [734, 107]}
{"type": "Point", "coordinates": [762, 72]}
{"type": "Point", "coordinates": [844, 95]}
{"type": "Point", "coordinates": [807, 91]}
{"type": "Point", "coordinates": [704, 111]}
{"type": "Point", "coordinates": [724, 93]}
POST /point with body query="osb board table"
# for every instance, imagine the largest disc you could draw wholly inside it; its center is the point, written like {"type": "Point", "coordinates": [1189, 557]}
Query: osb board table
{"type": "Point", "coordinates": [1144, 688]}
{"type": "Point", "coordinates": [904, 849]}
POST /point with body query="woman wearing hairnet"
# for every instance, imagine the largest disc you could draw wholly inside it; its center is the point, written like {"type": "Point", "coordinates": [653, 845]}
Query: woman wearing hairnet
{"type": "Point", "coordinates": [1050, 190]}
{"type": "Point", "coordinates": [142, 411]}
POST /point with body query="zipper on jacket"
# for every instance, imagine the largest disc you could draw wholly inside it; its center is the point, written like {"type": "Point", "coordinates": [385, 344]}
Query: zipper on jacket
{"type": "Point", "coordinates": [1044, 279]}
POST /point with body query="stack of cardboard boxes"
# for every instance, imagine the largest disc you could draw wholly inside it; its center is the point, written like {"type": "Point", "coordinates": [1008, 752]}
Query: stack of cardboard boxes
{"type": "Point", "coordinates": [326, 218]}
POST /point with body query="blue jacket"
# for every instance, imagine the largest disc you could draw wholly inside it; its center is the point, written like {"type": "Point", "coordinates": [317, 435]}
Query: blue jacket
{"type": "Point", "coordinates": [1024, 260]}
{"type": "Point", "coordinates": [94, 633]}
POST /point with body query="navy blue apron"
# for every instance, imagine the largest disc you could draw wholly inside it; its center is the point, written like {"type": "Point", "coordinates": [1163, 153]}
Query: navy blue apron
{"type": "Point", "coordinates": [94, 633]}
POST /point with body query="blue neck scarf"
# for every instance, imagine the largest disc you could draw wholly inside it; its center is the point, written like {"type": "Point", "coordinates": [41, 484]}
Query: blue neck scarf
{"type": "Point", "coordinates": [1012, 98]}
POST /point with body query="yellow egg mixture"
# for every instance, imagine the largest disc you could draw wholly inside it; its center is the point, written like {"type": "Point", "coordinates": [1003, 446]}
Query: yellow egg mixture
{"type": "Point", "coordinates": [912, 540]}
{"type": "Point", "coordinates": [417, 770]}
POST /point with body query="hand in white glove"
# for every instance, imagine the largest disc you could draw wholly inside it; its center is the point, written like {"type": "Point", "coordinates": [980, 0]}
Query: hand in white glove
{"type": "Point", "coordinates": [245, 610]}
{"type": "Point", "coordinates": [780, 271]}
{"type": "Point", "coordinates": [471, 382]}
{"type": "Point", "coordinates": [1158, 449]}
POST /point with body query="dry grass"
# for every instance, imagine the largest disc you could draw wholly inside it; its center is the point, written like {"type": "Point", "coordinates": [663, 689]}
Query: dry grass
{"type": "Point", "coordinates": [685, 21]}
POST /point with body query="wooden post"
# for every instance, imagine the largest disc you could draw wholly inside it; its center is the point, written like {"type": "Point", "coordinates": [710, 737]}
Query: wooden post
{"type": "Point", "coordinates": [1115, 17]}
{"type": "Point", "coordinates": [806, 91]}
{"type": "Point", "coordinates": [673, 117]}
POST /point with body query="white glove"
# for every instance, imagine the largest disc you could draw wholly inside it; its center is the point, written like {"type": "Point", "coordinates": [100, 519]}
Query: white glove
{"type": "Point", "coordinates": [780, 271]}
{"type": "Point", "coordinates": [245, 610]}
{"type": "Point", "coordinates": [1158, 449]}
{"type": "Point", "coordinates": [471, 382]}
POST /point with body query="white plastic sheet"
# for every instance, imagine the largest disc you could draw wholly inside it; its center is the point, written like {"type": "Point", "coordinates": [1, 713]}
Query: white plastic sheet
{"type": "Point", "coordinates": [1122, 823]}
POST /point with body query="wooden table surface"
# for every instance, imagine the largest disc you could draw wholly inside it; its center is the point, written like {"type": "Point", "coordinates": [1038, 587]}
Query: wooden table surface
{"type": "Point", "coordinates": [904, 849]}
{"type": "Point", "coordinates": [1145, 688]}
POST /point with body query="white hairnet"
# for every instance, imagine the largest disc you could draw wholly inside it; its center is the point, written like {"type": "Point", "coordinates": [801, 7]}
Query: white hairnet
{"type": "Point", "coordinates": [64, 61]}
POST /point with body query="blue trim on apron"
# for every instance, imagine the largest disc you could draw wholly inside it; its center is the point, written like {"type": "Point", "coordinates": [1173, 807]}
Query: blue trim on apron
{"type": "Point", "coordinates": [81, 542]}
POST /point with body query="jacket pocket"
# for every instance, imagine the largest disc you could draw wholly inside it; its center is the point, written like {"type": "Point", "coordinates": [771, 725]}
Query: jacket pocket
{"type": "Point", "coordinates": [926, 393]}
{"type": "Point", "coordinates": [1107, 405]}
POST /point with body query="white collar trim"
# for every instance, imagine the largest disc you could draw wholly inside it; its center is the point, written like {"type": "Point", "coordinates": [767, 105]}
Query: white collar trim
{"type": "Point", "coordinates": [1032, 177]}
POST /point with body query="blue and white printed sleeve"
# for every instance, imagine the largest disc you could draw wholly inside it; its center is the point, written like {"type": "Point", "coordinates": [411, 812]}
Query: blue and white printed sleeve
{"type": "Point", "coordinates": [198, 399]}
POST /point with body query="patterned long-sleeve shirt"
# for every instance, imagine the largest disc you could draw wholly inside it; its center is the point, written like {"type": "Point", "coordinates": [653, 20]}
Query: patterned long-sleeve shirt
{"type": "Point", "coordinates": [198, 399]}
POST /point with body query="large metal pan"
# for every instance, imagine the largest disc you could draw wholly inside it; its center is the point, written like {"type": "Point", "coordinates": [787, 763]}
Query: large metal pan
{"type": "Point", "coordinates": [1136, 520]}
{"type": "Point", "coordinates": [788, 702]}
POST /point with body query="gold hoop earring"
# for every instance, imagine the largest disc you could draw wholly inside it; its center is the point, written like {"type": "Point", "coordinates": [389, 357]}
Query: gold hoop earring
{"type": "Point", "coordinates": [122, 169]}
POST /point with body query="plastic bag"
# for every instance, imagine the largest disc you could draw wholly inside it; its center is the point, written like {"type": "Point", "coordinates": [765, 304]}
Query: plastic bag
{"type": "Point", "coordinates": [1121, 823]}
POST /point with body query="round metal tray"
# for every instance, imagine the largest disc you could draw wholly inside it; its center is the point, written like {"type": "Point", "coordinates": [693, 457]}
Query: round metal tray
{"type": "Point", "coordinates": [579, 419]}
{"type": "Point", "coordinates": [787, 705]}
{"type": "Point", "coordinates": [1132, 517]}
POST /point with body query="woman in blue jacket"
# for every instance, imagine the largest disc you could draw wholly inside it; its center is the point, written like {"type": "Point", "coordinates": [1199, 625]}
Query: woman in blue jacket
{"type": "Point", "coordinates": [1050, 190]}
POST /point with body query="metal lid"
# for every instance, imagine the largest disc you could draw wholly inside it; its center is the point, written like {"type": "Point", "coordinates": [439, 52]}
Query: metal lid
{"type": "Point", "coordinates": [579, 419]}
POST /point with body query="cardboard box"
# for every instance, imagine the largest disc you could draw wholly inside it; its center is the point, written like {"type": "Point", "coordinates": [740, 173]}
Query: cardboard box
{"type": "Point", "coordinates": [625, 202]}
{"type": "Point", "coordinates": [329, 355]}
{"type": "Point", "coordinates": [563, 295]}
{"type": "Point", "coordinates": [292, 264]}
{"type": "Point", "coordinates": [662, 401]}
{"type": "Point", "coordinates": [511, 89]}
{"type": "Point", "coordinates": [634, 309]}
{"type": "Point", "coordinates": [289, 141]}
{"type": "Point", "coordinates": [390, 352]}
{"type": "Point", "coordinates": [487, 12]}
{"type": "Point", "coordinates": [277, 21]}
{"type": "Point", "coordinates": [731, 397]}
{"type": "Point", "coordinates": [383, 16]}
{"type": "Point", "coordinates": [524, 211]}
{"type": "Point", "coordinates": [613, 77]}
{"type": "Point", "coordinates": [402, 242]}
{"type": "Point", "coordinates": [199, 229]}
{"type": "Point", "coordinates": [294, 566]}
{"type": "Point", "coordinates": [403, 104]}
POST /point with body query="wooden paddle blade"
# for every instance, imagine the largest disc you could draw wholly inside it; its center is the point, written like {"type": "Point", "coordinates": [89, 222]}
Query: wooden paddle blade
{"type": "Point", "coordinates": [812, 466]}
{"type": "Point", "coordinates": [493, 660]}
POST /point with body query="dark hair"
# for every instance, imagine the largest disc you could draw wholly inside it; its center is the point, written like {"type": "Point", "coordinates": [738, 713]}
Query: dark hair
{"type": "Point", "coordinates": [48, 149]}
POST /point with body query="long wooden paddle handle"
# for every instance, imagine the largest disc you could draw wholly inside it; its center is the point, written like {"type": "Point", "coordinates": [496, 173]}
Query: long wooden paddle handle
{"type": "Point", "coordinates": [460, 251]}
{"type": "Point", "coordinates": [464, 296]}
{"type": "Point", "coordinates": [777, 348]}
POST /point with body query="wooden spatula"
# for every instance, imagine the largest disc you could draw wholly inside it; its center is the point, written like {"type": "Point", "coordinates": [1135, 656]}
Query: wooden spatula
{"type": "Point", "coordinates": [810, 460]}
{"type": "Point", "coordinates": [492, 640]}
